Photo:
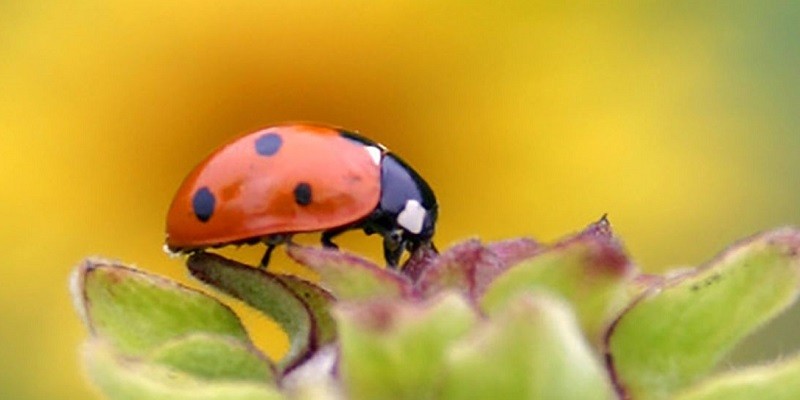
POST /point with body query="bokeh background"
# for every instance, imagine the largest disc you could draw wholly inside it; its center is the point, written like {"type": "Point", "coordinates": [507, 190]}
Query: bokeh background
{"type": "Point", "coordinates": [679, 119]}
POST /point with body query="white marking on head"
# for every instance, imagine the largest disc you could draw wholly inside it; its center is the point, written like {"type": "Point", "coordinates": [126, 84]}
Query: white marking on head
{"type": "Point", "coordinates": [374, 153]}
{"type": "Point", "coordinates": [412, 217]}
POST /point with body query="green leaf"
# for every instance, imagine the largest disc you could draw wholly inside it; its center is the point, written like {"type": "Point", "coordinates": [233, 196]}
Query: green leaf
{"type": "Point", "coordinates": [591, 271]}
{"type": "Point", "coordinates": [532, 349]}
{"type": "Point", "coordinates": [214, 357]}
{"type": "Point", "coordinates": [779, 381]}
{"type": "Point", "coordinates": [675, 333]}
{"type": "Point", "coordinates": [124, 378]}
{"type": "Point", "coordinates": [395, 350]}
{"type": "Point", "coordinates": [265, 292]}
{"type": "Point", "coordinates": [349, 277]}
{"type": "Point", "coordinates": [137, 312]}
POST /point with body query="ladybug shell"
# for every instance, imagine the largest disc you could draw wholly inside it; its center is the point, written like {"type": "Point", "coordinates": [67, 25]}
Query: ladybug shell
{"type": "Point", "coordinates": [282, 179]}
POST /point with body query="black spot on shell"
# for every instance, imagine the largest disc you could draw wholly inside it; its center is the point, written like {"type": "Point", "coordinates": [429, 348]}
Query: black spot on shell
{"type": "Point", "coordinates": [268, 144]}
{"type": "Point", "coordinates": [302, 194]}
{"type": "Point", "coordinates": [203, 204]}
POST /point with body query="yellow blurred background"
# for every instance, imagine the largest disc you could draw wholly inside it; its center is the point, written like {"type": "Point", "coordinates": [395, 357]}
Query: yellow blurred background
{"type": "Point", "coordinates": [681, 121]}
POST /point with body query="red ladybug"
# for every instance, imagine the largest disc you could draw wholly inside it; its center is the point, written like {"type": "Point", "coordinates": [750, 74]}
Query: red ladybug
{"type": "Point", "coordinates": [293, 178]}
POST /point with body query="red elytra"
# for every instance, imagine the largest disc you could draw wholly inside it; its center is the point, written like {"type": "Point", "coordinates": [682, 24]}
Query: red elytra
{"type": "Point", "coordinates": [293, 178]}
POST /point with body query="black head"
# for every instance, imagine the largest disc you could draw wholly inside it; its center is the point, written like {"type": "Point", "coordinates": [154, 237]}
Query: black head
{"type": "Point", "coordinates": [407, 211]}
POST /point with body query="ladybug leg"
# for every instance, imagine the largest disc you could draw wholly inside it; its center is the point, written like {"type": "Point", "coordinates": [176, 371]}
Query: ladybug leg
{"type": "Point", "coordinates": [327, 237]}
{"type": "Point", "coordinates": [267, 254]}
{"type": "Point", "coordinates": [273, 241]}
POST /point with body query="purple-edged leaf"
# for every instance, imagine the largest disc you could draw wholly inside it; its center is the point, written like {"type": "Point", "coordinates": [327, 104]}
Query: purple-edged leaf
{"type": "Point", "coordinates": [265, 292]}
{"type": "Point", "coordinates": [349, 277]}
{"type": "Point", "coordinates": [395, 349]}
{"type": "Point", "coordinates": [137, 312]}
{"type": "Point", "coordinates": [590, 270]}
{"type": "Point", "coordinates": [599, 229]}
{"type": "Point", "coordinates": [418, 262]}
{"type": "Point", "coordinates": [467, 267]}
{"type": "Point", "coordinates": [471, 266]}
{"type": "Point", "coordinates": [532, 349]}
{"type": "Point", "coordinates": [319, 303]}
{"type": "Point", "coordinates": [513, 251]}
{"type": "Point", "coordinates": [676, 333]}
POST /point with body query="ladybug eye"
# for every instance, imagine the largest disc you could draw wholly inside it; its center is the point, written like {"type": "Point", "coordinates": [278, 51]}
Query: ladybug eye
{"type": "Point", "coordinates": [396, 236]}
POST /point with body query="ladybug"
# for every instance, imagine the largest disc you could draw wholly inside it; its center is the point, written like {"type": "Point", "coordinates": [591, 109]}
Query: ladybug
{"type": "Point", "coordinates": [295, 178]}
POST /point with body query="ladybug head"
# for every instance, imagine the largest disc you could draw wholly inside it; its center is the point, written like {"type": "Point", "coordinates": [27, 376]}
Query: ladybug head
{"type": "Point", "coordinates": [407, 211]}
